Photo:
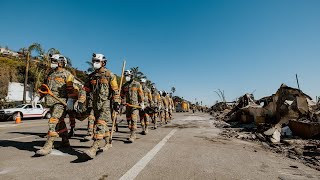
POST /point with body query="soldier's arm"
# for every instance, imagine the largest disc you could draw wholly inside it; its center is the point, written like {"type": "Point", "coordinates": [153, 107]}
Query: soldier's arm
{"type": "Point", "coordinates": [150, 98]}
{"type": "Point", "coordinates": [115, 88]}
{"type": "Point", "coordinates": [159, 99]}
{"type": "Point", "coordinates": [140, 93]}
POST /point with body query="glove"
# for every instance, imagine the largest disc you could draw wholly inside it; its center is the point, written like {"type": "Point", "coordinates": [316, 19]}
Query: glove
{"type": "Point", "coordinates": [70, 104]}
{"type": "Point", "coordinates": [78, 106]}
{"type": "Point", "coordinates": [116, 106]}
{"type": "Point", "coordinates": [156, 109]}
{"type": "Point", "coordinates": [142, 106]}
{"type": "Point", "coordinates": [35, 101]}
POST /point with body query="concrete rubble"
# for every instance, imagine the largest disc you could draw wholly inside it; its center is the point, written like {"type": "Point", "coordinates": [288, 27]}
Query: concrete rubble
{"type": "Point", "coordinates": [287, 122]}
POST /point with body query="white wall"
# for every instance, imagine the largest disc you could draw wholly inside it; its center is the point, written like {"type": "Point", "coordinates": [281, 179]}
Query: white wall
{"type": "Point", "coordinates": [15, 92]}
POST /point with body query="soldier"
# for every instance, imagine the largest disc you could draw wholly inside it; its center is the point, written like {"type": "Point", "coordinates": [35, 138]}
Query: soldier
{"type": "Point", "coordinates": [144, 114]}
{"type": "Point", "coordinates": [60, 82]}
{"type": "Point", "coordinates": [165, 107]}
{"type": "Point", "coordinates": [156, 103]}
{"type": "Point", "coordinates": [132, 97]}
{"type": "Point", "coordinates": [161, 113]}
{"type": "Point", "coordinates": [103, 94]}
{"type": "Point", "coordinates": [171, 106]}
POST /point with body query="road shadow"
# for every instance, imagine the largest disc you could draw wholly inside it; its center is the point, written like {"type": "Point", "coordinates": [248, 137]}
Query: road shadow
{"type": "Point", "coordinates": [41, 135]}
{"type": "Point", "coordinates": [24, 146]}
{"type": "Point", "coordinates": [30, 146]}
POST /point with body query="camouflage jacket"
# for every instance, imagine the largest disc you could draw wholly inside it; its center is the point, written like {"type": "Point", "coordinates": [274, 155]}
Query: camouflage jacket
{"type": "Point", "coordinates": [60, 82]}
{"type": "Point", "coordinates": [101, 88]}
{"type": "Point", "coordinates": [147, 96]}
{"type": "Point", "coordinates": [171, 103]}
{"type": "Point", "coordinates": [165, 102]}
{"type": "Point", "coordinates": [132, 93]}
{"type": "Point", "coordinates": [156, 99]}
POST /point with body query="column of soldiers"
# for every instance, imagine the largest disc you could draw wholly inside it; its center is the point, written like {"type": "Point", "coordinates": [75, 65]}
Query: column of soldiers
{"type": "Point", "coordinates": [99, 99]}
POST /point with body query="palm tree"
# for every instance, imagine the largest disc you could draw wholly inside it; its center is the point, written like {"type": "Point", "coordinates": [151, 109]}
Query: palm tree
{"type": "Point", "coordinates": [137, 75]}
{"type": "Point", "coordinates": [173, 90]}
{"type": "Point", "coordinates": [69, 62]}
{"type": "Point", "coordinates": [90, 68]}
{"type": "Point", "coordinates": [149, 84]}
{"type": "Point", "coordinates": [33, 47]}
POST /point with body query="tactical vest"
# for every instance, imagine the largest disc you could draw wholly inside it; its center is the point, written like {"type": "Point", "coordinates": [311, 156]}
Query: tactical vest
{"type": "Point", "coordinates": [131, 92]}
{"type": "Point", "coordinates": [57, 84]}
{"type": "Point", "coordinates": [99, 83]}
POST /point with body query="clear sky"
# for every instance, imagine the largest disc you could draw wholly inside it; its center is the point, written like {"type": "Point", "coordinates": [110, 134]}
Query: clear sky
{"type": "Point", "coordinates": [197, 46]}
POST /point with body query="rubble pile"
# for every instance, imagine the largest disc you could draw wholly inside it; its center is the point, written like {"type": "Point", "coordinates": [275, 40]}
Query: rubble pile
{"type": "Point", "coordinates": [287, 122]}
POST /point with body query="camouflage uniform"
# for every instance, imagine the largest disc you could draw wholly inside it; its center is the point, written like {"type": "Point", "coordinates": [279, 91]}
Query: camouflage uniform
{"type": "Point", "coordinates": [60, 82]}
{"type": "Point", "coordinates": [144, 116]}
{"type": "Point", "coordinates": [132, 94]}
{"type": "Point", "coordinates": [165, 114]}
{"type": "Point", "coordinates": [156, 102]}
{"type": "Point", "coordinates": [102, 89]}
{"type": "Point", "coordinates": [171, 107]}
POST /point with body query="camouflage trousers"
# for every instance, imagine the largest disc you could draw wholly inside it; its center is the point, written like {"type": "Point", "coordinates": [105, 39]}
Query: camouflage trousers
{"type": "Point", "coordinates": [57, 125]}
{"type": "Point", "coordinates": [132, 117]}
{"type": "Point", "coordinates": [98, 119]}
{"type": "Point", "coordinates": [144, 118]}
{"type": "Point", "coordinates": [72, 118]}
{"type": "Point", "coordinates": [164, 116]}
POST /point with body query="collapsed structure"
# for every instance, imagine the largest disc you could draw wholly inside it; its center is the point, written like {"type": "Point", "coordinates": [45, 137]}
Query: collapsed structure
{"type": "Point", "coordinates": [288, 121]}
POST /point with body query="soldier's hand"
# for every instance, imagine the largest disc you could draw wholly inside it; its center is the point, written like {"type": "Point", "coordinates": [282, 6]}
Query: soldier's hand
{"type": "Point", "coordinates": [142, 106]}
{"type": "Point", "coordinates": [116, 106]}
{"type": "Point", "coordinates": [78, 106]}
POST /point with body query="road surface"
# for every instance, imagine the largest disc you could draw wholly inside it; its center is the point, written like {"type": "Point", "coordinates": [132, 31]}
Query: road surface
{"type": "Point", "coordinates": [188, 148]}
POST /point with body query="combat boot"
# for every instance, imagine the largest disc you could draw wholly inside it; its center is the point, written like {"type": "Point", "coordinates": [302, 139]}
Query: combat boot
{"type": "Point", "coordinates": [146, 130]}
{"type": "Point", "coordinates": [71, 132]}
{"type": "Point", "coordinates": [143, 130]}
{"type": "Point", "coordinates": [88, 137]}
{"type": "Point", "coordinates": [65, 141]}
{"type": "Point", "coordinates": [132, 137]}
{"type": "Point", "coordinates": [92, 152]}
{"type": "Point", "coordinates": [47, 148]}
{"type": "Point", "coordinates": [107, 145]}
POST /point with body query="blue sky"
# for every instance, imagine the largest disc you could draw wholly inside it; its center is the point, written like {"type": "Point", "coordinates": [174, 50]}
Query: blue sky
{"type": "Point", "coordinates": [197, 46]}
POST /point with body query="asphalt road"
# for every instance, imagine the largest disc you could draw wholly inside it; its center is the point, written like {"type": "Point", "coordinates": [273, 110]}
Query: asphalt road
{"type": "Point", "coordinates": [188, 148]}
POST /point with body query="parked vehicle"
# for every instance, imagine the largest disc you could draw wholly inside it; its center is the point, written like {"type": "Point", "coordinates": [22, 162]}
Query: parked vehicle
{"type": "Point", "coordinates": [26, 111]}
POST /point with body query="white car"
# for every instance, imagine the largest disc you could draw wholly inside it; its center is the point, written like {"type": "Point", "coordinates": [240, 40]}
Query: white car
{"type": "Point", "coordinates": [26, 111]}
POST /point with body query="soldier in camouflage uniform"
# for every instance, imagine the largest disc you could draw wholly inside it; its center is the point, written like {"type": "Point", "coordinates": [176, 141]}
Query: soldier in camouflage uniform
{"type": "Point", "coordinates": [103, 97]}
{"type": "Point", "coordinates": [132, 97]}
{"type": "Point", "coordinates": [144, 114]}
{"type": "Point", "coordinates": [165, 114]}
{"type": "Point", "coordinates": [171, 106]}
{"type": "Point", "coordinates": [155, 105]}
{"type": "Point", "coordinates": [60, 82]}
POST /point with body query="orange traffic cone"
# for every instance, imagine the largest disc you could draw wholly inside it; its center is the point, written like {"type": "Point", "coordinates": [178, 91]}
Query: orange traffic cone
{"type": "Point", "coordinates": [18, 118]}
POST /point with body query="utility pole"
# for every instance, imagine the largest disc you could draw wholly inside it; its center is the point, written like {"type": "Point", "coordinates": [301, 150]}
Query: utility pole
{"type": "Point", "coordinates": [26, 78]}
{"type": "Point", "coordinates": [297, 81]}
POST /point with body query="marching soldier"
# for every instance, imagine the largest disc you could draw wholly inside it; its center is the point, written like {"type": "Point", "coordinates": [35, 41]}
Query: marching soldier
{"type": "Point", "coordinates": [60, 82]}
{"type": "Point", "coordinates": [132, 97]}
{"type": "Point", "coordinates": [103, 96]}
{"type": "Point", "coordinates": [144, 116]}
{"type": "Point", "coordinates": [171, 106]}
{"type": "Point", "coordinates": [156, 103]}
{"type": "Point", "coordinates": [165, 101]}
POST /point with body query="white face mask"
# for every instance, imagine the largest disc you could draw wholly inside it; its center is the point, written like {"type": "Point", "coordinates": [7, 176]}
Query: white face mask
{"type": "Point", "coordinates": [128, 78]}
{"type": "Point", "coordinates": [96, 65]}
{"type": "Point", "coordinates": [53, 65]}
